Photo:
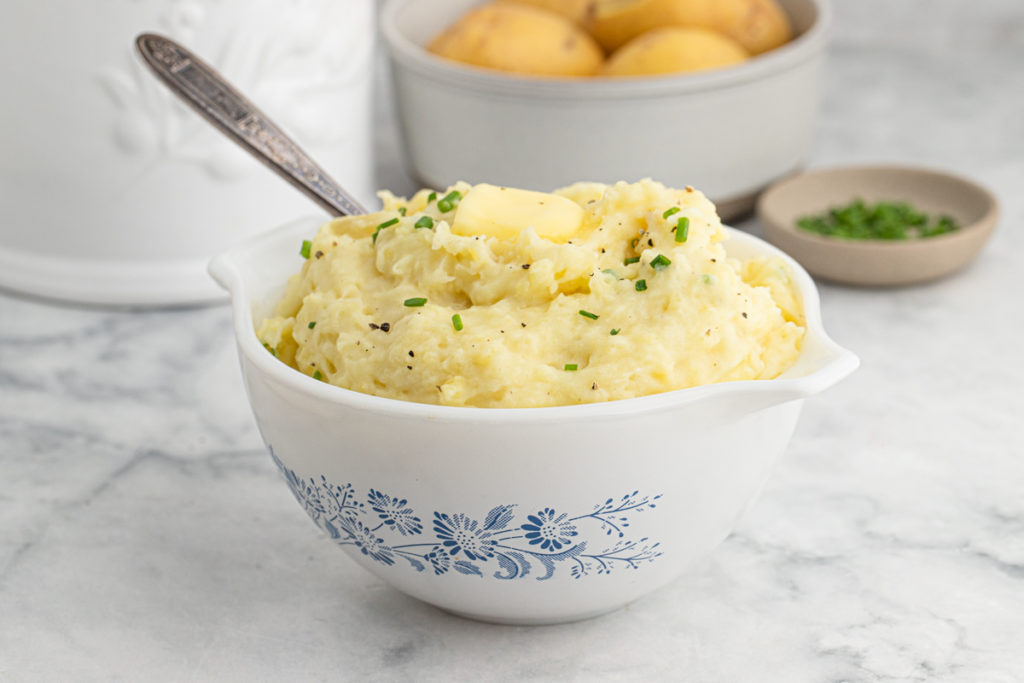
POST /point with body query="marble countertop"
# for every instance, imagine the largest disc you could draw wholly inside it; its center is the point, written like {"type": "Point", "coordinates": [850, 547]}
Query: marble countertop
{"type": "Point", "coordinates": [145, 534]}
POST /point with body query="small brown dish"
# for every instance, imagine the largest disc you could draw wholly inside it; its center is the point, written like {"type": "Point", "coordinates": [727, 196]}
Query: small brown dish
{"type": "Point", "coordinates": [878, 262]}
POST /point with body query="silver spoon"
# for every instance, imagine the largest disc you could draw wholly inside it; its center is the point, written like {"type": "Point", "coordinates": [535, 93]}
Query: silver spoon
{"type": "Point", "coordinates": [216, 100]}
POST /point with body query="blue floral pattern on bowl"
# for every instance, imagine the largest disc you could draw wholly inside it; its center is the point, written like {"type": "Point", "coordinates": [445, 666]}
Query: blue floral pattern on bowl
{"type": "Point", "coordinates": [385, 528]}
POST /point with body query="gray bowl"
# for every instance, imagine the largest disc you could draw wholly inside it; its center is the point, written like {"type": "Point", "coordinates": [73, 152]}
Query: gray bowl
{"type": "Point", "coordinates": [728, 132]}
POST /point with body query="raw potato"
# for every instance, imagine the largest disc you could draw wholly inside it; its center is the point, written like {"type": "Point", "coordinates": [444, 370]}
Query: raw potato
{"type": "Point", "coordinates": [757, 25]}
{"type": "Point", "coordinates": [574, 10]}
{"type": "Point", "coordinates": [519, 39]}
{"type": "Point", "coordinates": [674, 50]}
{"type": "Point", "coordinates": [613, 23]}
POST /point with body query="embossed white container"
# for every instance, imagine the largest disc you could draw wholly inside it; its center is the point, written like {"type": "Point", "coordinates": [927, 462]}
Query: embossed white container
{"type": "Point", "coordinates": [111, 191]}
{"type": "Point", "coordinates": [627, 494]}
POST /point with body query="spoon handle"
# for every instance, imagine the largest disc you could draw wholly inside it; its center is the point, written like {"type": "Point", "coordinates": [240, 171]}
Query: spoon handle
{"type": "Point", "coordinates": [206, 91]}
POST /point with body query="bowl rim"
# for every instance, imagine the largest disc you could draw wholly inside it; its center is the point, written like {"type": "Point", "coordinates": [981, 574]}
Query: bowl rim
{"type": "Point", "coordinates": [404, 51]}
{"type": "Point", "coordinates": [772, 221]}
{"type": "Point", "coordinates": [835, 363]}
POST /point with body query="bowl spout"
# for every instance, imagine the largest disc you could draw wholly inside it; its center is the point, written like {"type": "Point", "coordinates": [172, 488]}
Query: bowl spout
{"type": "Point", "coordinates": [224, 270]}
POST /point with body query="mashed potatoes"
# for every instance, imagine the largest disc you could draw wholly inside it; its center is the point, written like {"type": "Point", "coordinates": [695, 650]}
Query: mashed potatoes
{"type": "Point", "coordinates": [483, 296]}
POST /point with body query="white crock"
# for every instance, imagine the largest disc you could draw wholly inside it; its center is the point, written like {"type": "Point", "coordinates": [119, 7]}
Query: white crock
{"type": "Point", "coordinates": [112, 192]}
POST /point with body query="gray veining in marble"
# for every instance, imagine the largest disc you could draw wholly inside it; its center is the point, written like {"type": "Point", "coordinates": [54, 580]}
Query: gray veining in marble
{"type": "Point", "coordinates": [144, 534]}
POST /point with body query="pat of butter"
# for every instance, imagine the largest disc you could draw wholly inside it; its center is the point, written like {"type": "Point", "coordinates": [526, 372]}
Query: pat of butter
{"type": "Point", "coordinates": [504, 212]}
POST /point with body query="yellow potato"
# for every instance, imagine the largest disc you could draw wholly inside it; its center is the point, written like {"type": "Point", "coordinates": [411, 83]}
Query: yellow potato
{"type": "Point", "coordinates": [574, 10]}
{"type": "Point", "coordinates": [674, 49]}
{"type": "Point", "coordinates": [757, 25]}
{"type": "Point", "coordinates": [613, 23]}
{"type": "Point", "coordinates": [521, 39]}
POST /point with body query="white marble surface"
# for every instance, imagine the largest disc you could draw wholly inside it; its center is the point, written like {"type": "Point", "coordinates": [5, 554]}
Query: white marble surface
{"type": "Point", "coordinates": [144, 534]}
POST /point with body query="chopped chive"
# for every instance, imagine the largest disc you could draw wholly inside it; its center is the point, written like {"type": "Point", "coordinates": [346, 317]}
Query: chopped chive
{"type": "Point", "coordinates": [682, 229]}
{"type": "Point", "coordinates": [425, 222]}
{"type": "Point", "coordinates": [641, 285]}
{"type": "Point", "coordinates": [306, 246]}
{"type": "Point", "coordinates": [614, 331]}
{"type": "Point", "coordinates": [431, 197]}
{"type": "Point", "coordinates": [609, 271]}
{"type": "Point", "coordinates": [706, 278]}
{"type": "Point", "coordinates": [415, 301]}
{"type": "Point", "coordinates": [457, 322]}
{"type": "Point", "coordinates": [660, 262]}
{"type": "Point", "coordinates": [631, 259]}
{"type": "Point", "coordinates": [669, 212]}
{"type": "Point", "coordinates": [317, 375]}
{"type": "Point", "coordinates": [385, 224]}
{"type": "Point", "coordinates": [401, 210]}
{"type": "Point", "coordinates": [571, 367]}
{"type": "Point", "coordinates": [449, 201]}
{"type": "Point", "coordinates": [268, 347]}
{"type": "Point", "coordinates": [633, 242]}
{"type": "Point", "coordinates": [311, 325]}
{"type": "Point", "coordinates": [886, 220]}
{"type": "Point", "coordinates": [588, 314]}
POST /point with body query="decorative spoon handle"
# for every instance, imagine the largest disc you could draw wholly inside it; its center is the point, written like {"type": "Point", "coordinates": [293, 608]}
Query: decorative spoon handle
{"type": "Point", "coordinates": [206, 91]}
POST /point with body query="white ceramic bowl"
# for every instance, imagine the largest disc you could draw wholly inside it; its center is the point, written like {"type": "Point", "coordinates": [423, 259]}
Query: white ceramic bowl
{"type": "Point", "coordinates": [729, 132]}
{"type": "Point", "coordinates": [530, 515]}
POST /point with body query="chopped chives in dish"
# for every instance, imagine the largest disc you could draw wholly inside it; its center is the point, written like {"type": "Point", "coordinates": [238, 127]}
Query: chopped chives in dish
{"type": "Point", "coordinates": [884, 220]}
